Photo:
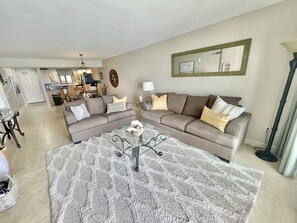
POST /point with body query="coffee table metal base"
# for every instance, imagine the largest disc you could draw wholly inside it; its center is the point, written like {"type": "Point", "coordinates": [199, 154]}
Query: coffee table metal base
{"type": "Point", "coordinates": [136, 149]}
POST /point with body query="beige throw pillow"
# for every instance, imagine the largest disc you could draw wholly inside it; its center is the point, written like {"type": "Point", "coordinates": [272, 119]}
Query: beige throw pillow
{"type": "Point", "coordinates": [116, 100]}
{"type": "Point", "coordinates": [159, 103]}
{"type": "Point", "coordinates": [215, 119]}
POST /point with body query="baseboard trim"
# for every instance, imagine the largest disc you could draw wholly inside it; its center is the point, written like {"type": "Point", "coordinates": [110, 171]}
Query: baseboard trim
{"type": "Point", "coordinates": [258, 144]}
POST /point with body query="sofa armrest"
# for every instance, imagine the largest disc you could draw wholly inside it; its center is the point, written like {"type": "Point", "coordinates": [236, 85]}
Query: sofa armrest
{"type": "Point", "coordinates": [147, 106]}
{"type": "Point", "coordinates": [69, 117]}
{"type": "Point", "coordinates": [236, 126]}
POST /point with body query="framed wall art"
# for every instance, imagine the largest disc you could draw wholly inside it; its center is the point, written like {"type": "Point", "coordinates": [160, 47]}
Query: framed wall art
{"type": "Point", "coordinates": [186, 67]}
{"type": "Point", "coordinates": [114, 78]}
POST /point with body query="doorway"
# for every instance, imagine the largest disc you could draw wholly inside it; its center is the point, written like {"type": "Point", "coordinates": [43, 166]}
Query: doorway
{"type": "Point", "coordinates": [30, 85]}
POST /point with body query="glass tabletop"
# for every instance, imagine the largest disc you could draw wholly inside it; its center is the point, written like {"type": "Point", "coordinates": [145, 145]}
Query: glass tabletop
{"type": "Point", "coordinates": [124, 141]}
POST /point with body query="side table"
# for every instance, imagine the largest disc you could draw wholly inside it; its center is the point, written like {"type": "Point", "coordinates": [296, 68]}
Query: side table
{"type": "Point", "coordinates": [10, 123]}
{"type": "Point", "coordinates": [137, 108]}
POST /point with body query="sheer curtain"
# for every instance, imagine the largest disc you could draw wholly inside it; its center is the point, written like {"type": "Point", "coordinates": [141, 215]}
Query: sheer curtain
{"type": "Point", "coordinates": [288, 145]}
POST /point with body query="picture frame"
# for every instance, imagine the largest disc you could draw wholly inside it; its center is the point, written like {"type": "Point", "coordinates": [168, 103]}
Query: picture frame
{"type": "Point", "coordinates": [101, 76]}
{"type": "Point", "coordinates": [226, 66]}
{"type": "Point", "coordinates": [187, 67]}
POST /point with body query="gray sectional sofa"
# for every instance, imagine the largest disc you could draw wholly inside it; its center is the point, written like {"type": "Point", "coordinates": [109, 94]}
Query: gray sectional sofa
{"type": "Point", "coordinates": [99, 121]}
{"type": "Point", "coordinates": [182, 120]}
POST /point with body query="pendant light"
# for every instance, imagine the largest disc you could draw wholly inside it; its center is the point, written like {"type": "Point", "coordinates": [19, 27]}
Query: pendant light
{"type": "Point", "coordinates": [83, 69]}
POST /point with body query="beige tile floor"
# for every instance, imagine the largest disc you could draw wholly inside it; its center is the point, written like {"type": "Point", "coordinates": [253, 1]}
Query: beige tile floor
{"type": "Point", "coordinates": [45, 130]}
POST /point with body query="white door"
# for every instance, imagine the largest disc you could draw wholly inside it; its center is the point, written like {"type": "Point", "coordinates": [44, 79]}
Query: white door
{"type": "Point", "coordinates": [30, 85]}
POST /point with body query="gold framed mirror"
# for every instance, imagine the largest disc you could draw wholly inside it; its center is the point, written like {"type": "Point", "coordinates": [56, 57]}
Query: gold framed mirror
{"type": "Point", "coordinates": [221, 60]}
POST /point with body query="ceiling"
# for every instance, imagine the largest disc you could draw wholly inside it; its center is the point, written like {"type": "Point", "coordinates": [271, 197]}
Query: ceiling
{"type": "Point", "coordinates": [61, 29]}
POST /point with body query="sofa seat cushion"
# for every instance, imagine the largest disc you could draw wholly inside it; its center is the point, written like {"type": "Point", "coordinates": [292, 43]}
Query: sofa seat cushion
{"type": "Point", "coordinates": [177, 121]}
{"type": "Point", "coordinates": [114, 116]}
{"type": "Point", "coordinates": [208, 132]}
{"type": "Point", "coordinates": [87, 123]}
{"type": "Point", "coordinates": [155, 115]}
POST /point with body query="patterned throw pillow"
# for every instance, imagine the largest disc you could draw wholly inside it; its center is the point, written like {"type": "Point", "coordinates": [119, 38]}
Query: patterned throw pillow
{"type": "Point", "coordinates": [159, 103]}
{"type": "Point", "coordinates": [116, 100]}
{"type": "Point", "coordinates": [222, 107]}
{"type": "Point", "coordinates": [215, 119]}
{"type": "Point", "coordinates": [115, 107]}
{"type": "Point", "coordinates": [80, 112]}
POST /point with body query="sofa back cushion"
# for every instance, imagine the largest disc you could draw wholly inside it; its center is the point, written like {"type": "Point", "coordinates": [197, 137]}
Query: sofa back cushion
{"type": "Point", "coordinates": [176, 102]}
{"type": "Point", "coordinates": [228, 99]}
{"type": "Point", "coordinates": [194, 105]}
{"type": "Point", "coordinates": [95, 106]}
{"type": "Point", "coordinates": [74, 103]}
{"type": "Point", "coordinates": [160, 94]}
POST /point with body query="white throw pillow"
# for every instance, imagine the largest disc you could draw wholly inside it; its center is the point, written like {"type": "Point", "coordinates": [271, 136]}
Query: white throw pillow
{"type": "Point", "coordinates": [222, 107]}
{"type": "Point", "coordinates": [80, 112]}
{"type": "Point", "coordinates": [115, 107]}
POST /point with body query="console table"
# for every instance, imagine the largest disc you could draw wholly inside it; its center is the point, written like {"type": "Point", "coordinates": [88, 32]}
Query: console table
{"type": "Point", "coordinates": [8, 118]}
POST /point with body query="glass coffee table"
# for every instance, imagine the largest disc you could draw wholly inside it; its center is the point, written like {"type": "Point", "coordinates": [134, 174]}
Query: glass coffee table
{"type": "Point", "coordinates": [134, 146]}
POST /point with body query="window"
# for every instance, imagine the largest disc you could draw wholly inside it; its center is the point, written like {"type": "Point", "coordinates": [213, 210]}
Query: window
{"type": "Point", "coordinates": [66, 79]}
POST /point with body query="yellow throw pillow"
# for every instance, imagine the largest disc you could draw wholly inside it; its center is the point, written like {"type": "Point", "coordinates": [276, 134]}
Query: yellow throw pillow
{"type": "Point", "coordinates": [159, 103]}
{"type": "Point", "coordinates": [215, 119]}
{"type": "Point", "coordinates": [116, 100]}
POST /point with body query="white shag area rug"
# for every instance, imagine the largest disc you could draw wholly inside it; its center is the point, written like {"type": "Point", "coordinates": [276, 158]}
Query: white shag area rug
{"type": "Point", "coordinates": [88, 182]}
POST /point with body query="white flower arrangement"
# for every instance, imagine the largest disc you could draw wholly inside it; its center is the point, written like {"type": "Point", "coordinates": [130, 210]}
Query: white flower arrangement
{"type": "Point", "coordinates": [136, 128]}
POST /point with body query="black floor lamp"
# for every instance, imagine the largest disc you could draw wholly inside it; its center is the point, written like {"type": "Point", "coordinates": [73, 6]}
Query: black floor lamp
{"type": "Point", "coordinates": [291, 46]}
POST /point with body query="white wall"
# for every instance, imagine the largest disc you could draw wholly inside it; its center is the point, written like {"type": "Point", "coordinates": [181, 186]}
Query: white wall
{"type": "Point", "coordinates": [44, 79]}
{"type": "Point", "coordinates": [3, 99]}
{"type": "Point", "coordinates": [14, 100]}
{"type": "Point", "coordinates": [47, 63]}
{"type": "Point", "coordinates": [261, 88]}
